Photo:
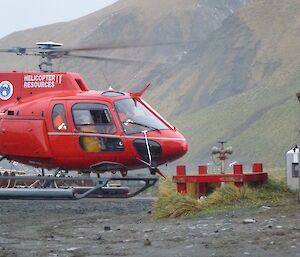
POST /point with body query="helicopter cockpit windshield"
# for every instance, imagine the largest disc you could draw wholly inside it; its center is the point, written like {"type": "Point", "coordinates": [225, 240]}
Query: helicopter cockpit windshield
{"type": "Point", "coordinates": [135, 117]}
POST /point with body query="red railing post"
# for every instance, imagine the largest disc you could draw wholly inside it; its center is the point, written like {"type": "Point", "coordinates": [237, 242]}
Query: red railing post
{"type": "Point", "coordinates": [257, 168]}
{"type": "Point", "coordinates": [181, 186]}
{"type": "Point", "coordinates": [202, 169]}
{"type": "Point", "coordinates": [237, 170]}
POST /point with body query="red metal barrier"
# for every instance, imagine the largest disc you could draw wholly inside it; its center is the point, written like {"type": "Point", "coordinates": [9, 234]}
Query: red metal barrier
{"type": "Point", "coordinates": [181, 184]}
{"type": "Point", "coordinates": [238, 170]}
{"type": "Point", "coordinates": [202, 169]}
{"type": "Point", "coordinates": [202, 179]}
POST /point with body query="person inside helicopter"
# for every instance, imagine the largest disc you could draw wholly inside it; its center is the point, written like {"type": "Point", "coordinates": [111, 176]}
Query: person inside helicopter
{"type": "Point", "coordinates": [93, 118]}
{"type": "Point", "coordinates": [59, 117]}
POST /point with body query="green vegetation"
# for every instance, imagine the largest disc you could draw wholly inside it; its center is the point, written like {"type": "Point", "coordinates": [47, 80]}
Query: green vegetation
{"type": "Point", "coordinates": [171, 204]}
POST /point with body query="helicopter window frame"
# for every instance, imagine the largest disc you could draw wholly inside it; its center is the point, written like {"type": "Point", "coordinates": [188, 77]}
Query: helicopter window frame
{"type": "Point", "coordinates": [132, 117]}
{"type": "Point", "coordinates": [59, 117]}
{"type": "Point", "coordinates": [87, 118]}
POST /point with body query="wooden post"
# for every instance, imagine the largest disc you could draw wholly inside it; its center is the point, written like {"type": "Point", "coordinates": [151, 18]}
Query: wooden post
{"type": "Point", "coordinates": [202, 169]}
{"type": "Point", "coordinates": [193, 190]}
{"type": "Point", "coordinates": [181, 186]}
{"type": "Point", "coordinates": [238, 169]}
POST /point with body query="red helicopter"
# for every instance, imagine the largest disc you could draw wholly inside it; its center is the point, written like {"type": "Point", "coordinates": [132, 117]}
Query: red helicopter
{"type": "Point", "coordinates": [51, 120]}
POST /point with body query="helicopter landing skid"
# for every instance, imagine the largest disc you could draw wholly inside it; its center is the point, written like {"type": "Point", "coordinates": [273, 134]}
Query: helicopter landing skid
{"type": "Point", "coordinates": [70, 188]}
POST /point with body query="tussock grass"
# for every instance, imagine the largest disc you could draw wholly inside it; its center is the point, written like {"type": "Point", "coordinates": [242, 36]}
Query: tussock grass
{"type": "Point", "coordinates": [171, 204]}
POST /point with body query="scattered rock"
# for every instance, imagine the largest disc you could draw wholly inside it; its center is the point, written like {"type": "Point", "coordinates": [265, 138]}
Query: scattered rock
{"type": "Point", "coordinates": [148, 230]}
{"type": "Point", "coordinates": [107, 228]}
{"type": "Point", "coordinates": [280, 233]}
{"type": "Point", "coordinates": [249, 221]}
{"type": "Point", "coordinates": [266, 207]}
{"type": "Point", "coordinates": [147, 242]}
{"type": "Point", "coordinates": [103, 220]}
{"type": "Point", "coordinates": [176, 239]}
{"type": "Point", "coordinates": [72, 249]}
{"type": "Point", "coordinates": [129, 240]}
{"type": "Point", "coordinates": [50, 238]}
{"type": "Point", "coordinates": [53, 255]}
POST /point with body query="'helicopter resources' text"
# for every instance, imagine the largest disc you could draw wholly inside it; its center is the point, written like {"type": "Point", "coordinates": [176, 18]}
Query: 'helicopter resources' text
{"type": "Point", "coordinates": [42, 80]}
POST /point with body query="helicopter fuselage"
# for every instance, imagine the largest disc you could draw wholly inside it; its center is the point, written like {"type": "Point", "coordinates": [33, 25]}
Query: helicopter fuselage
{"type": "Point", "coordinates": [52, 120]}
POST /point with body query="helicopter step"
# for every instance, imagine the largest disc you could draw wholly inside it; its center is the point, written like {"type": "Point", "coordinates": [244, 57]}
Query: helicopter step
{"type": "Point", "coordinates": [70, 188]}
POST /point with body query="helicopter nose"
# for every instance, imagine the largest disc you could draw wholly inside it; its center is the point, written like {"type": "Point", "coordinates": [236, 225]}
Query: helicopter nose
{"type": "Point", "coordinates": [176, 149]}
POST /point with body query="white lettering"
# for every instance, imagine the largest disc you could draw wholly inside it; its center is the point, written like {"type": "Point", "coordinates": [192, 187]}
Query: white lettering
{"type": "Point", "coordinates": [42, 80]}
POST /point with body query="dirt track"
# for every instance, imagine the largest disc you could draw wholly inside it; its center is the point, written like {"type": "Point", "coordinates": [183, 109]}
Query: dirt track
{"type": "Point", "coordinates": [125, 228]}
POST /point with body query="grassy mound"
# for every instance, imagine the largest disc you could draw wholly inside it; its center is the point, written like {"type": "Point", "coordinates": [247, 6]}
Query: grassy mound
{"type": "Point", "coordinates": [172, 204]}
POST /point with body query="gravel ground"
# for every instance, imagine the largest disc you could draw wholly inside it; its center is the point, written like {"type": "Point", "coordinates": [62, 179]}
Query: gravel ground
{"type": "Point", "coordinates": [92, 227]}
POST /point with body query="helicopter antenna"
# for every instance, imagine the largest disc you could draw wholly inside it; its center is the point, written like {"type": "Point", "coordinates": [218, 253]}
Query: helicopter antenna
{"type": "Point", "coordinates": [105, 78]}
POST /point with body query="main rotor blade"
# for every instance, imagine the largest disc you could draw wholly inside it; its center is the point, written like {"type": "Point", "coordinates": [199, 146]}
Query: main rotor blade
{"type": "Point", "coordinates": [113, 59]}
{"type": "Point", "coordinates": [66, 51]}
{"type": "Point", "coordinates": [124, 46]}
{"type": "Point", "coordinates": [17, 50]}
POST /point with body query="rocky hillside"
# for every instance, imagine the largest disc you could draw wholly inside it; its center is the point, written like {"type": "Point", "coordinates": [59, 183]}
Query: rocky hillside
{"type": "Point", "coordinates": [236, 81]}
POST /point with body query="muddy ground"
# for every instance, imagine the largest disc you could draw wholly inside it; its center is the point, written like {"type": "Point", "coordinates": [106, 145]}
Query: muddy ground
{"type": "Point", "coordinates": [94, 227]}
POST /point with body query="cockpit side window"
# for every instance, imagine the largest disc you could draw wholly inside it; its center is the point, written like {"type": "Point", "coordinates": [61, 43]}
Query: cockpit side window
{"type": "Point", "coordinates": [93, 117]}
{"type": "Point", "coordinates": [59, 117]}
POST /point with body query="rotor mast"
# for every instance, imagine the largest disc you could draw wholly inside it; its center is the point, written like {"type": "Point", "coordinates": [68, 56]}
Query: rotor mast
{"type": "Point", "coordinates": [47, 53]}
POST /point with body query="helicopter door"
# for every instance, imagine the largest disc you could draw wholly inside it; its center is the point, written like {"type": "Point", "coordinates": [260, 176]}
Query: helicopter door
{"type": "Point", "coordinates": [95, 127]}
{"type": "Point", "coordinates": [59, 129]}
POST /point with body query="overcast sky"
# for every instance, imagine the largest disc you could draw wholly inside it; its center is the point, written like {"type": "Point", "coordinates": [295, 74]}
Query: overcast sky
{"type": "Point", "coordinates": [23, 14]}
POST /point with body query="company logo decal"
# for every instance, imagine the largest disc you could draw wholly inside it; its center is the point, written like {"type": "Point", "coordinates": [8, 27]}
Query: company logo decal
{"type": "Point", "coordinates": [6, 90]}
{"type": "Point", "coordinates": [42, 80]}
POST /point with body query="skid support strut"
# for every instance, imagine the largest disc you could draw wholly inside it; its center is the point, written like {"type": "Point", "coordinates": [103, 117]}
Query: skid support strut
{"type": "Point", "coordinates": [71, 188]}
